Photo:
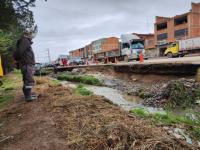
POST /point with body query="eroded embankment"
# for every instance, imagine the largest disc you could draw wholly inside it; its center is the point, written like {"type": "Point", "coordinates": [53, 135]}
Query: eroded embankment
{"type": "Point", "coordinates": [157, 69]}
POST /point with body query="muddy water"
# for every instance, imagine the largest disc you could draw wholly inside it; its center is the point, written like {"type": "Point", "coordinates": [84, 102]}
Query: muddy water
{"type": "Point", "coordinates": [117, 97]}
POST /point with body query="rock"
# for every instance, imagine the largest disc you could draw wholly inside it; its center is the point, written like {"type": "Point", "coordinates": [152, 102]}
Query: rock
{"type": "Point", "coordinates": [76, 70]}
{"type": "Point", "coordinates": [178, 136]}
{"type": "Point", "coordinates": [166, 128]}
{"type": "Point", "coordinates": [170, 132]}
{"type": "Point", "coordinates": [178, 131]}
{"type": "Point", "coordinates": [198, 75]}
{"type": "Point", "coordinates": [198, 144]}
{"type": "Point", "coordinates": [191, 116]}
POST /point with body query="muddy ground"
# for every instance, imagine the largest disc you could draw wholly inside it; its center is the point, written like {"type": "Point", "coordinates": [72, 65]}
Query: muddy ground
{"type": "Point", "coordinates": [60, 120]}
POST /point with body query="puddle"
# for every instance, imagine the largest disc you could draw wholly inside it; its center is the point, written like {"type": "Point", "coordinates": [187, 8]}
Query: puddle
{"type": "Point", "coordinates": [117, 97]}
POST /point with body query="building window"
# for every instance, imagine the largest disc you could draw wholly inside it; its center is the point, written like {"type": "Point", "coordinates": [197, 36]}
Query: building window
{"type": "Point", "coordinates": [181, 33]}
{"type": "Point", "coordinates": [161, 37]}
{"type": "Point", "coordinates": [125, 45]}
{"type": "Point", "coordinates": [180, 20]}
{"type": "Point", "coordinates": [161, 26]}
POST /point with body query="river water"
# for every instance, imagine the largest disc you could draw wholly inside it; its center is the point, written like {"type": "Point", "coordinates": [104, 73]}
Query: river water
{"type": "Point", "coordinates": [125, 101]}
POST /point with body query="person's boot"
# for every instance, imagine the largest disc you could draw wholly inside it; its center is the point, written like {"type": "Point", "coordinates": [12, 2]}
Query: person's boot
{"type": "Point", "coordinates": [28, 96]}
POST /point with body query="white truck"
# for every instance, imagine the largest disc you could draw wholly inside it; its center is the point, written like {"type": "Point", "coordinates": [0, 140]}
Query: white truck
{"type": "Point", "coordinates": [131, 47]}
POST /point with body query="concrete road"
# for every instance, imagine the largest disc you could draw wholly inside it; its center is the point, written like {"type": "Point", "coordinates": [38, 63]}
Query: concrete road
{"type": "Point", "coordinates": [182, 60]}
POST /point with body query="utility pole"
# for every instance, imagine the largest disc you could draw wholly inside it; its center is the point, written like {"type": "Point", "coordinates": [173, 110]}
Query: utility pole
{"type": "Point", "coordinates": [48, 54]}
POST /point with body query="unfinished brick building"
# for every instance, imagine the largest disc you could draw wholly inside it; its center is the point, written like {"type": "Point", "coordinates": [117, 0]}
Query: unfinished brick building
{"type": "Point", "coordinates": [179, 27]}
{"type": "Point", "coordinates": [106, 47]}
{"type": "Point", "coordinates": [149, 44]}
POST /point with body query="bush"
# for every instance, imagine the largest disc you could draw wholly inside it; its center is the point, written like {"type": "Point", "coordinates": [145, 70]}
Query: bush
{"type": "Point", "coordinates": [180, 96]}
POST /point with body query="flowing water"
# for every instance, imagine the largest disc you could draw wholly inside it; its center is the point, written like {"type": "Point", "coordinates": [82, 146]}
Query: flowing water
{"type": "Point", "coordinates": [125, 101]}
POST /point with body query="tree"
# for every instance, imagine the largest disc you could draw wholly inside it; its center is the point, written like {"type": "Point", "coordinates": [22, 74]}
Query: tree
{"type": "Point", "coordinates": [15, 16]}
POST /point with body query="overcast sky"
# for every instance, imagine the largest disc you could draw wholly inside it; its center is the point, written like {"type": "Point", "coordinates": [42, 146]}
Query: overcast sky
{"type": "Point", "coordinates": [66, 25]}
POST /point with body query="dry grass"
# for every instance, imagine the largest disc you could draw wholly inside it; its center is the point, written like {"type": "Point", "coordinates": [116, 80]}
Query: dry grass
{"type": "Point", "coordinates": [91, 122]}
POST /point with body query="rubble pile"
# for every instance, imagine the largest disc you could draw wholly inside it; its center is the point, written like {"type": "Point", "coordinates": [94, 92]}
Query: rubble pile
{"type": "Point", "coordinates": [176, 93]}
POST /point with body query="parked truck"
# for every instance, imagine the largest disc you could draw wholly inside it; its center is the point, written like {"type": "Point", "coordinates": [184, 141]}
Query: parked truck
{"type": "Point", "coordinates": [131, 47]}
{"type": "Point", "coordinates": [182, 47]}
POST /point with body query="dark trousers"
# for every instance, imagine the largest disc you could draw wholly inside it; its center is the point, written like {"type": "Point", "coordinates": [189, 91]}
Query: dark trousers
{"type": "Point", "coordinates": [28, 80]}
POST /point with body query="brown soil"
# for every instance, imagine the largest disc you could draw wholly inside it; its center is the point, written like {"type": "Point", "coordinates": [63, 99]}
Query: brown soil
{"type": "Point", "coordinates": [59, 120]}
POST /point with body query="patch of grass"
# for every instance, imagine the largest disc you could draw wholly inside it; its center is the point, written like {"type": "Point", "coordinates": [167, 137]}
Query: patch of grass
{"type": "Point", "coordinates": [165, 118]}
{"type": "Point", "coordinates": [140, 112]}
{"type": "Point", "coordinates": [55, 83]}
{"type": "Point", "coordinates": [5, 98]}
{"type": "Point", "coordinates": [81, 79]}
{"type": "Point", "coordinates": [9, 89]}
{"type": "Point", "coordinates": [171, 119]}
{"type": "Point", "coordinates": [197, 94]}
{"type": "Point", "coordinates": [196, 132]}
{"type": "Point", "coordinates": [81, 90]}
{"type": "Point", "coordinates": [10, 82]}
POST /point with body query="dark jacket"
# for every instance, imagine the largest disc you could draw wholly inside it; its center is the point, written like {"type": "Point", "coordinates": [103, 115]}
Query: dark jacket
{"type": "Point", "coordinates": [24, 53]}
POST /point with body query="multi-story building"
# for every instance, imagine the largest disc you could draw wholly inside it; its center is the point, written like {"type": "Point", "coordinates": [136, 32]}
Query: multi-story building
{"type": "Point", "coordinates": [149, 44]}
{"type": "Point", "coordinates": [182, 26]}
{"type": "Point", "coordinates": [106, 47]}
{"type": "Point", "coordinates": [88, 51]}
{"type": "Point", "coordinates": [74, 53]}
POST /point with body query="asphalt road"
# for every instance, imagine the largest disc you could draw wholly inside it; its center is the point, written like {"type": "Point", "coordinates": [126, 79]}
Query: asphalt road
{"type": "Point", "coordinates": [182, 60]}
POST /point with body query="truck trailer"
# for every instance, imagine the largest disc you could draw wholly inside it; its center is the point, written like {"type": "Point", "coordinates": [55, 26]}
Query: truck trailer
{"type": "Point", "coordinates": [182, 47]}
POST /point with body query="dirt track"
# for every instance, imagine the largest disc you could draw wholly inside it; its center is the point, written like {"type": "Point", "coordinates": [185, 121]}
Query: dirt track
{"type": "Point", "coordinates": [59, 120]}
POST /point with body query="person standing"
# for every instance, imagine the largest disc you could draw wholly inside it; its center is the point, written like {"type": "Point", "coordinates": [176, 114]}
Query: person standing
{"type": "Point", "coordinates": [25, 58]}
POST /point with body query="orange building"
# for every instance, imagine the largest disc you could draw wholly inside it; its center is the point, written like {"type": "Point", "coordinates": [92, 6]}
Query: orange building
{"type": "Point", "coordinates": [149, 40]}
{"type": "Point", "coordinates": [106, 47]}
{"type": "Point", "coordinates": [74, 53]}
{"type": "Point", "coordinates": [182, 26]}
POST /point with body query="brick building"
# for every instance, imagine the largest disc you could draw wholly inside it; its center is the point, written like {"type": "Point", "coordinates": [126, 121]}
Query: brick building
{"type": "Point", "coordinates": [106, 47]}
{"type": "Point", "coordinates": [149, 44]}
{"type": "Point", "coordinates": [88, 51]}
{"type": "Point", "coordinates": [74, 53]}
{"type": "Point", "coordinates": [182, 26]}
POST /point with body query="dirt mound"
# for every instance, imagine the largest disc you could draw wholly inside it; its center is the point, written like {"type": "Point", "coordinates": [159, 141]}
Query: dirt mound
{"type": "Point", "coordinates": [60, 120]}
{"type": "Point", "coordinates": [176, 93]}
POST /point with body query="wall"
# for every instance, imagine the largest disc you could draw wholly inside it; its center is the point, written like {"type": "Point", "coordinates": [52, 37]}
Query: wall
{"type": "Point", "coordinates": [151, 53]}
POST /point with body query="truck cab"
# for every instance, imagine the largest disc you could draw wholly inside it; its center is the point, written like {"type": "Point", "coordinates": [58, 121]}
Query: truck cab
{"type": "Point", "coordinates": [131, 47]}
{"type": "Point", "coordinates": [172, 50]}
